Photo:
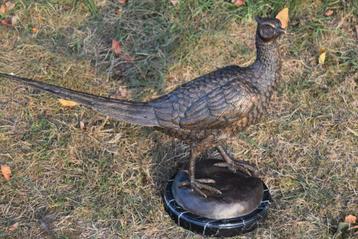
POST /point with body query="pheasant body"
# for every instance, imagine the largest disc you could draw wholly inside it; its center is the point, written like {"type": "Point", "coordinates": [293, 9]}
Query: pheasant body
{"type": "Point", "coordinates": [204, 111]}
{"type": "Point", "coordinates": [221, 102]}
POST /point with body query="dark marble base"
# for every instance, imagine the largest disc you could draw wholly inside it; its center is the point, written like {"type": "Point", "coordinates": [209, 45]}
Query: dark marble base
{"type": "Point", "coordinates": [244, 202]}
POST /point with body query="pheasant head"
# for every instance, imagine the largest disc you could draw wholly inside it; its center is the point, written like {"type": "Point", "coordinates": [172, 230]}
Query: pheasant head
{"type": "Point", "coordinates": [269, 29]}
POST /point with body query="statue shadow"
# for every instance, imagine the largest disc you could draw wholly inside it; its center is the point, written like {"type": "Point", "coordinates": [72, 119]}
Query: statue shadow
{"type": "Point", "coordinates": [167, 159]}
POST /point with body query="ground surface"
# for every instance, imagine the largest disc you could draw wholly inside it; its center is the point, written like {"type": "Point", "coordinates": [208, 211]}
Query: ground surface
{"type": "Point", "coordinates": [104, 180]}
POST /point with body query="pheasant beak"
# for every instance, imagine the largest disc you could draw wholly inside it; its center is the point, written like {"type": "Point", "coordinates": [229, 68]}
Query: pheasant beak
{"type": "Point", "coordinates": [281, 30]}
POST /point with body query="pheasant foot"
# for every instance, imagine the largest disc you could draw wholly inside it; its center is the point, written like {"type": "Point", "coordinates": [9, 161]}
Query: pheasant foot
{"type": "Point", "coordinates": [235, 165]}
{"type": "Point", "coordinates": [201, 185]}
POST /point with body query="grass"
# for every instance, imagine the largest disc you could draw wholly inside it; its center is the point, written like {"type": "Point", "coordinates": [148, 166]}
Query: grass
{"type": "Point", "coordinates": [105, 180]}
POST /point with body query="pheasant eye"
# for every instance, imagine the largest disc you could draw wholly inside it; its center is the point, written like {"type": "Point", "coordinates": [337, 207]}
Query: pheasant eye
{"type": "Point", "coordinates": [267, 31]}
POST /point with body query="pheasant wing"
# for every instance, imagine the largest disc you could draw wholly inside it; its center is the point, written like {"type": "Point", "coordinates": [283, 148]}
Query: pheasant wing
{"type": "Point", "coordinates": [220, 107]}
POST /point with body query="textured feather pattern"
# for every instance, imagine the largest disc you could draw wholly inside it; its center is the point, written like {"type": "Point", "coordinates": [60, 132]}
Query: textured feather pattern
{"type": "Point", "coordinates": [211, 101]}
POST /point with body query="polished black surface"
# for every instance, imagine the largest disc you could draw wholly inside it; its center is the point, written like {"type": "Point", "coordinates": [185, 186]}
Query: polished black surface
{"type": "Point", "coordinates": [241, 193]}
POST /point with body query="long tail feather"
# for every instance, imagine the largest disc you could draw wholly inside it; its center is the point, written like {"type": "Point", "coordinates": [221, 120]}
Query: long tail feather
{"type": "Point", "coordinates": [140, 113]}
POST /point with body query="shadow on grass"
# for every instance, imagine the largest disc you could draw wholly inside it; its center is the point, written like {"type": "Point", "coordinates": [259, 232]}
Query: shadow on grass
{"type": "Point", "coordinates": [167, 159]}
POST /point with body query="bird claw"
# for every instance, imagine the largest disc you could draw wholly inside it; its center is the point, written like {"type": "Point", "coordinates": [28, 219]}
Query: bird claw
{"type": "Point", "coordinates": [236, 166]}
{"type": "Point", "coordinates": [200, 185]}
{"type": "Point", "coordinates": [205, 180]}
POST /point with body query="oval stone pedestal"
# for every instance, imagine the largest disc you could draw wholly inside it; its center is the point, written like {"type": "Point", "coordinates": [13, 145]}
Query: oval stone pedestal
{"type": "Point", "coordinates": [244, 201]}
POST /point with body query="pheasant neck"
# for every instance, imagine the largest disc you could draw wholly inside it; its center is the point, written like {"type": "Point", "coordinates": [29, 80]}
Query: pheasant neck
{"type": "Point", "coordinates": [267, 52]}
{"type": "Point", "coordinates": [267, 64]}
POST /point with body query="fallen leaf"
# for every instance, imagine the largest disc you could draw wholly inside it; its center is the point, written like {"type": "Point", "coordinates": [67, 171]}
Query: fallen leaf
{"type": "Point", "coordinates": [116, 47]}
{"type": "Point", "coordinates": [283, 17]}
{"type": "Point", "coordinates": [322, 56]}
{"type": "Point", "coordinates": [6, 171]}
{"type": "Point", "coordinates": [82, 125]}
{"type": "Point", "coordinates": [6, 22]}
{"type": "Point", "coordinates": [14, 20]}
{"type": "Point", "coordinates": [13, 227]}
{"type": "Point", "coordinates": [174, 2]}
{"type": "Point", "coordinates": [3, 9]}
{"type": "Point", "coordinates": [350, 219]}
{"type": "Point", "coordinates": [122, 2]}
{"type": "Point", "coordinates": [34, 30]}
{"type": "Point", "coordinates": [329, 13]}
{"type": "Point", "coordinates": [238, 2]}
{"type": "Point", "coordinates": [10, 21]}
{"type": "Point", "coordinates": [68, 103]}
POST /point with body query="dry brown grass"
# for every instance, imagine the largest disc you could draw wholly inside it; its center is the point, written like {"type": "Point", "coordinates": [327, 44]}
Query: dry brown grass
{"type": "Point", "coordinates": [105, 181]}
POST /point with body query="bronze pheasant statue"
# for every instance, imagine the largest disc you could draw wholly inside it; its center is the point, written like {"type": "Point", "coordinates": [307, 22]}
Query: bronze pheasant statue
{"type": "Point", "coordinates": [204, 111]}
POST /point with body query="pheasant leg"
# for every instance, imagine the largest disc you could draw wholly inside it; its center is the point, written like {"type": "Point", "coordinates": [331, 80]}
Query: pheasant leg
{"type": "Point", "coordinates": [233, 164]}
{"type": "Point", "coordinates": [202, 184]}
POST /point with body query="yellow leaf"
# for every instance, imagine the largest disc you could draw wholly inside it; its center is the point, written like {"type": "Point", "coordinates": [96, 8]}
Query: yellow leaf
{"type": "Point", "coordinates": [34, 30]}
{"type": "Point", "coordinates": [67, 103]}
{"type": "Point", "coordinates": [6, 171]}
{"type": "Point", "coordinates": [322, 56]}
{"type": "Point", "coordinates": [283, 17]}
{"type": "Point", "coordinates": [3, 9]}
{"type": "Point", "coordinates": [350, 219]}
